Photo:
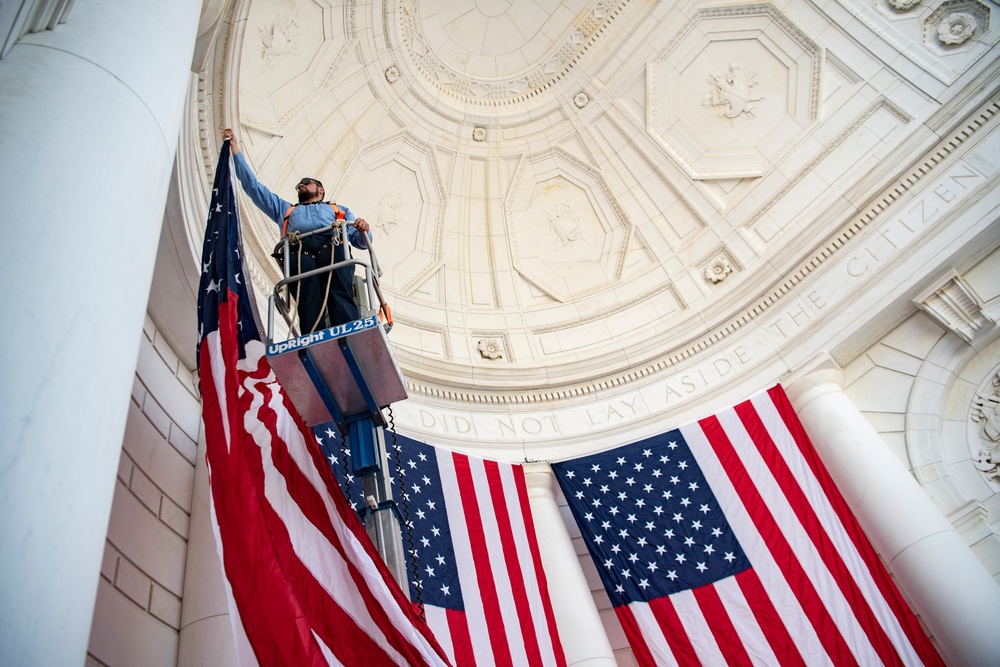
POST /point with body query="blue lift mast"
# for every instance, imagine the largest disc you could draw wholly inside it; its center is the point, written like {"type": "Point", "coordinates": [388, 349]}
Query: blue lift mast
{"type": "Point", "coordinates": [347, 374]}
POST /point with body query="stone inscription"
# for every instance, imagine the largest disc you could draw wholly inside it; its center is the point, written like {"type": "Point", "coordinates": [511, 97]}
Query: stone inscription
{"type": "Point", "coordinates": [926, 209]}
{"type": "Point", "coordinates": [706, 374]}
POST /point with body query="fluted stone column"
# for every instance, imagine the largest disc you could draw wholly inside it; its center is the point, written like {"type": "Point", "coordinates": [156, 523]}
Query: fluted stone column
{"type": "Point", "coordinates": [580, 628]}
{"type": "Point", "coordinates": [89, 119]}
{"type": "Point", "coordinates": [948, 586]}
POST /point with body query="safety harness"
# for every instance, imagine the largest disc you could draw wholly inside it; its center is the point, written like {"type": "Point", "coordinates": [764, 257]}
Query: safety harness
{"type": "Point", "coordinates": [337, 212]}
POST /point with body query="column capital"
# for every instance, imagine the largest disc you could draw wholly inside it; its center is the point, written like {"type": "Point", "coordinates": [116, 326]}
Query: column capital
{"type": "Point", "coordinates": [540, 480]}
{"type": "Point", "coordinates": [818, 376]}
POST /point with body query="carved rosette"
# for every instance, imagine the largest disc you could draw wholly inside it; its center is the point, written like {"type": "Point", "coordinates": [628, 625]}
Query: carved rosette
{"type": "Point", "coordinates": [903, 5]}
{"type": "Point", "coordinates": [717, 270]}
{"type": "Point", "coordinates": [491, 348]}
{"type": "Point", "coordinates": [956, 28]}
{"type": "Point", "coordinates": [479, 133]}
{"type": "Point", "coordinates": [392, 74]}
{"type": "Point", "coordinates": [581, 100]}
{"type": "Point", "coordinates": [985, 414]}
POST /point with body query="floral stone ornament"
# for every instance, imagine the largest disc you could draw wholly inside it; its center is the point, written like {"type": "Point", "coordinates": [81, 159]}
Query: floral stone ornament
{"type": "Point", "coordinates": [718, 269]}
{"type": "Point", "coordinates": [956, 28]}
{"type": "Point", "coordinates": [491, 348]}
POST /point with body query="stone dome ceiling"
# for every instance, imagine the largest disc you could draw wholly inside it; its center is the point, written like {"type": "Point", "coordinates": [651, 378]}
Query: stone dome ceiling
{"type": "Point", "coordinates": [572, 196]}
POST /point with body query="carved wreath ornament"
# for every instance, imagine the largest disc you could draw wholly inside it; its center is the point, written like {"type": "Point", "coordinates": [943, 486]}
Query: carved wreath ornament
{"type": "Point", "coordinates": [956, 28]}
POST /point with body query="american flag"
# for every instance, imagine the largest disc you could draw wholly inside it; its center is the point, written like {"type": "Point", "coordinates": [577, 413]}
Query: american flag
{"type": "Point", "coordinates": [474, 559]}
{"type": "Point", "coordinates": [305, 584]}
{"type": "Point", "coordinates": [726, 542]}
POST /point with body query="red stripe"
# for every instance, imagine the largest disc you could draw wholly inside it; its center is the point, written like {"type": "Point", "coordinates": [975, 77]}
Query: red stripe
{"type": "Point", "coordinates": [461, 640]}
{"type": "Point", "coordinates": [480, 556]}
{"type": "Point", "coordinates": [512, 562]}
{"type": "Point", "coordinates": [811, 523]}
{"type": "Point", "coordinates": [803, 589]}
{"type": "Point", "coordinates": [907, 619]}
{"type": "Point", "coordinates": [536, 561]}
{"type": "Point", "coordinates": [673, 631]}
{"type": "Point", "coordinates": [635, 636]}
{"type": "Point", "coordinates": [312, 506]}
{"type": "Point", "coordinates": [768, 619]}
{"type": "Point", "coordinates": [721, 625]}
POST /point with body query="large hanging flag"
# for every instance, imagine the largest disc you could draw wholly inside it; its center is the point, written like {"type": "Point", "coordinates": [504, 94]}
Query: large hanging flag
{"type": "Point", "coordinates": [726, 542]}
{"type": "Point", "coordinates": [474, 559]}
{"type": "Point", "coordinates": [305, 584]}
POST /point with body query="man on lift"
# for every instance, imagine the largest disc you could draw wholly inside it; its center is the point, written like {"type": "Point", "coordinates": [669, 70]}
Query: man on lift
{"type": "Point", "coordinates": [324, 295]}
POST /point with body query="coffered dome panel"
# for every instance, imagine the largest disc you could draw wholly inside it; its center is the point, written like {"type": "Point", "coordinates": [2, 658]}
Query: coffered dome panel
{"type": "Point", "coordinates": [568, 235]}
{"type": "Point", "coordinates": [733, 90]}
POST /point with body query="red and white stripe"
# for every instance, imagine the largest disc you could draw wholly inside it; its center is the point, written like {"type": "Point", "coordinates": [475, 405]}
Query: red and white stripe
{"type": "Point", "coordinates": [817, 593]}
{"type": "Point", "coordinates": [508, 619]}
{"type": "Point", "coordinates": [306, 585]}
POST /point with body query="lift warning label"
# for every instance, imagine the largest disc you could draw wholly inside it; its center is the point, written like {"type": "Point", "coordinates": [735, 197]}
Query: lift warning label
{"type": "Point", "coordinates": [322, 336]}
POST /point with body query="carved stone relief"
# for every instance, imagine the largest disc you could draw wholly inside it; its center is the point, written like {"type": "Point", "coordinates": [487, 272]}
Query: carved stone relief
{"type": "Point", "coordinates": [278, 39]}
{"type": "Point", "coordinates": [985, 414]}
{"type": "Point", "coordinates": [731, 93]}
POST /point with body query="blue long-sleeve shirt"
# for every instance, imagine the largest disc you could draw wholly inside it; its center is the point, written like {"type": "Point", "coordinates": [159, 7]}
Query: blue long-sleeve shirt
{"type": "Point", "coordinates": [304, 217]}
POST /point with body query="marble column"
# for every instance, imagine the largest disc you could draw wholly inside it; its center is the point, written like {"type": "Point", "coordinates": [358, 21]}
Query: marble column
{"type": "Point", "coordinates": [89, 120]}
{"type": "Point", "coordinates": [206, 638]}
{"type": "Point", "coordinates": [941, 577]}
{"type": "Point", "coordinates": [584, 639]}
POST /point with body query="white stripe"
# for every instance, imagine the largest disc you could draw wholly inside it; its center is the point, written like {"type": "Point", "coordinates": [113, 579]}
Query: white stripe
{"type": "Point", "coordinates": [496, 561]}
{"type": "Point", "coordinates": [798, 539]}
{"type": "Point", "coordinates": [789, 449]}
{"type": "Point", "coordinates": [331, 659]}
{"type": "Point", "coordinates": [697, 629]}
{"type": "Point", "coordinates": [786, 604]}
{"type": "Point", "coordinates": [437, 620]}
{"type": "Point", "coordinates": [743, 618]}
{"type": "Point", "coordinates": [650, 630]}
{"type": "Point", "coordinates": [467, 577]}
{"type": "Point", "coordinates": [219, 373]}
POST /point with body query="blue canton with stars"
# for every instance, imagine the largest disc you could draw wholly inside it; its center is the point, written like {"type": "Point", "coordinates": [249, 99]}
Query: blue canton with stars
{"type": "Point", "coordinates": [650, 520]}
{"type": "Point", "coordinates": [221, 266]}
{"type": "Point", "coordinates": [420, 499]}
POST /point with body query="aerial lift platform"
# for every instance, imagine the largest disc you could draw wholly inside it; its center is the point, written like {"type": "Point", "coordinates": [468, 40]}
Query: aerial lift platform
{"type": "Point", "coordinates": [346, 374]}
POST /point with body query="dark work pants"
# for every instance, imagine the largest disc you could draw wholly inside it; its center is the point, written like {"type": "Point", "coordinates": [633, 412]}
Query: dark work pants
{"type": "Point", "coordinates": [340, 307]}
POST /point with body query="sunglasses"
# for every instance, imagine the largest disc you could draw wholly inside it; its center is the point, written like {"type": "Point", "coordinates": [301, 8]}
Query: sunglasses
{"type": "Point", "coordinates": [307, 181]}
